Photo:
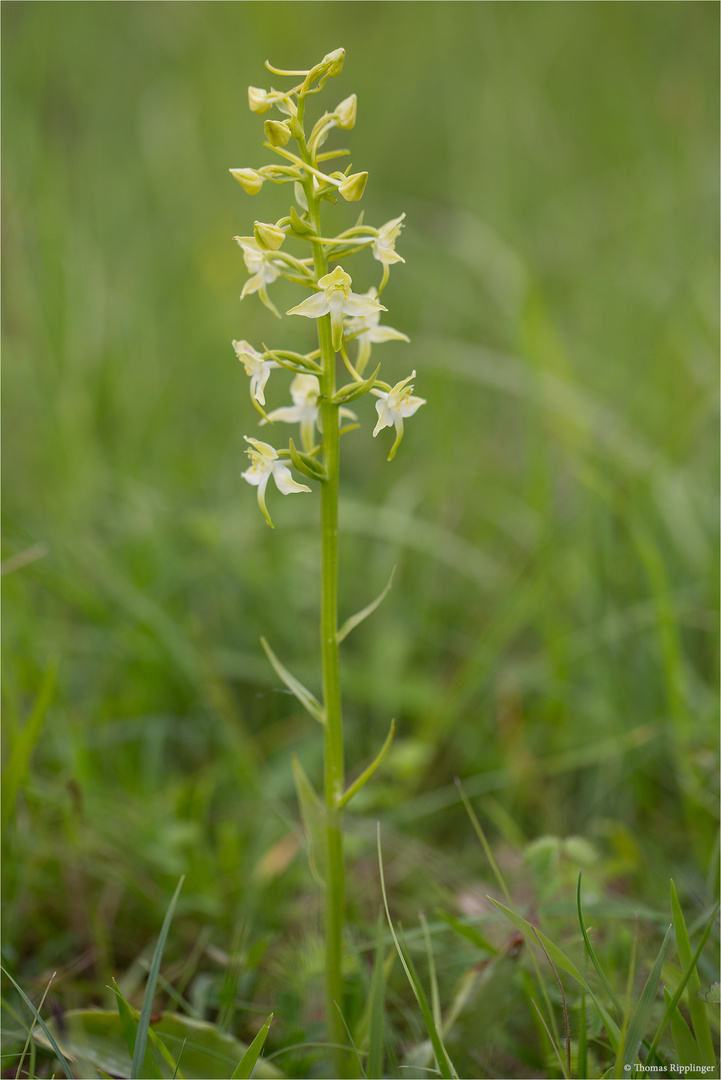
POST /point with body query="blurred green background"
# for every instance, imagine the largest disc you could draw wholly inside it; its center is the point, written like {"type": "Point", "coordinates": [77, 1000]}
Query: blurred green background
{"type": "Point", "coordinates": [550, 636]}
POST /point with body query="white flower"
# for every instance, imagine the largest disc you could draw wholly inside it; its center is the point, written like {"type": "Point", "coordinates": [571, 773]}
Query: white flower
{"type": "Point", "coordinates": [394, 406]}
{"type": "Point", "coordinates": [367, 332]}
{"type": "Point", "coordinates": [384, 245]}
{"type": "Point", "coordinates": [304, 390]}
{"type": "Point", "coordinates": [337, 299]}
{"type": "Point", "coordinates": [256, 366]}
{"type": "Point", "coordinates": [261, 268]}
{"type": "Point", "coordinates": [264, 463]}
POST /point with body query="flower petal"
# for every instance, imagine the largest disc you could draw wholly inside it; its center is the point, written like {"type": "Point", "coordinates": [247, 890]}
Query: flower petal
{"type": "Point", "coordinates": [385, 417]}
{"type": "Point", "coordinates": [377, 334]}
{"type": "Point", "coordinates": [284, 480]}
{"type": "Point", "coordinates": [253, 284]}
{"type": "Point", "coordinates": [361, 305]}
{"type": "Point", "coordinates": [290, 414]}
{"type": "Point", "coordinates": [313, 307]}
{"type": "Point", "coordinates": [410, 405]}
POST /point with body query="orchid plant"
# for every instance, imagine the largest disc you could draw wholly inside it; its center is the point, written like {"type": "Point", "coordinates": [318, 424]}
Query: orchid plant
{"type": "Point", "coordinates": [342, 316]}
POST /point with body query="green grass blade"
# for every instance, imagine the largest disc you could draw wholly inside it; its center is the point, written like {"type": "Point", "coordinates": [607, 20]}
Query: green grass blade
{"type": "Point", "coordinates": [56, 1049]}
{"type": "Point", "coordinates": [638, 1021]}
{"type": "Point", "coordinates": [582, 1057]}
{"type": "Point", "coordinates": [367, 773]}
{"type": "Point", "coordinates": [559, 958]}
{"type": "Point", "coordinates": [29, 1046]}
{"type": "Point", "coordinates": [692, 967]}
{"type": "Point", "coordinates": [552, 1041]}
{"type": "Point", "coordinates": [17, 764]}
{"type": "Point", "coordinates": [144, 1021]}
{"type": "Point", "coordinates": [696, 1007]}
{"type": "Point", "coordinates": [444, 1062]}
{"type": "Point", "coordinates": [177, 1075]}
{"type": "Point", "coordinates": [376, 1034]}
{"type": "Point", "coordinates": [308, 701]}
{"type": "Point", "coordinates": [562, 961]}
{"type": "Point", "coordinates": [351, 1041]}
{"type": "Point", "coordinates": [435, 996]}
{"type": "Point", "coordinates": [564, 1005]}
{"type": "Point", "coordinates": [128, 1019]}
{"type": "Point", "coordinates": [470, 933]}
{"type": "Point", "coordinates": [165, 1053]}
{"type": "Point", "coordinates": [684, 1043]}
{"type": "Point", "coordinates": [592, 953]}
{"type": "Point", "coordinates": [357, 619]}
{"type": "Point", "coordinates": [247, 1063]}
{"type": "Point", "coordinates": [477, 828]}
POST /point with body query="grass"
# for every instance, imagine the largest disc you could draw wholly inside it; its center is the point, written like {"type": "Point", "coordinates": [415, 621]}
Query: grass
{"type": "Point", "coordinates": [550, 637]}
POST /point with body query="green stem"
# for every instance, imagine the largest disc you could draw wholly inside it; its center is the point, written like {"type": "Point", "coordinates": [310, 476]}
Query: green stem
{"type": "Point", "coordinates": [333, 729]}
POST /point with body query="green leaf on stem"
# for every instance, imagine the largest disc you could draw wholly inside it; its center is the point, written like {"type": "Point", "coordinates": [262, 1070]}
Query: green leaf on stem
{"type": "Point", "coordinates": [313, 814]}
{"type": "Point", "coordinates": [355, 620]}
{"type": "Point", "coordinates": [308, 701]}
{"type": "Point", "coordinates": [367, 773]}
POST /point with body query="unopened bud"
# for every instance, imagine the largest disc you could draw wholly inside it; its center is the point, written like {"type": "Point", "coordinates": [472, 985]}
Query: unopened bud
{"type": "Point", "coordinates": [258, 100]}
{"type": "Point", "coordinates": [269, 237]}
{"type": "Point", "coordinates": [277, 132]}
{"type": "Point", "coordinates": [250, 180]}
{"type": "Point", "coordinates": [353, 186]}
{"type": "Point", "coordinates": [297, 224]}
{"type": "Point", "coordinates": [346, 112]}
{"type": "Point", "coordinates": [334, 60]}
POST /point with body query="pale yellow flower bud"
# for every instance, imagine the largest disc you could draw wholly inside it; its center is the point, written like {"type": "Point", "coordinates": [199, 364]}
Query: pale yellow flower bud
{"type": "Point", "coordinates": [353, 186]}
{"type": "Point", "coordinates": [269, 237]}
{"type": "Point", "coordinates": [334, 60]}
{"type": "Point", "coordinates": [250, 180]}
{"type": "Point", "coordinates": [346, 112]}
{"type": "Point", "coordinates": [277, 132]}
{"type": "Point", "coordinates": [258, 100]}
